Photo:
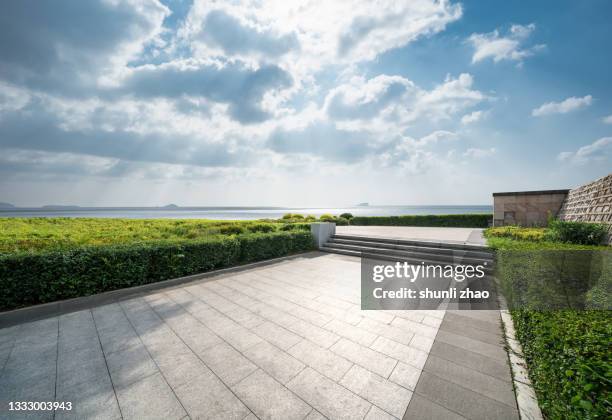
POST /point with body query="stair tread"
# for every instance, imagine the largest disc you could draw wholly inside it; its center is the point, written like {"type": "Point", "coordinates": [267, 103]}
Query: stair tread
{"type": "Point", "coordinates": [425, 243]}
{"type": "Point", "coordinates": [414, 248]}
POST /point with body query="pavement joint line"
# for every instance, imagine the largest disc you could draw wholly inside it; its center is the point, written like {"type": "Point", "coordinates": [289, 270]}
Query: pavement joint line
{"type": "Point", "coordinates": [56, 363]}
{"type": "Point", "coordinates": [105, 362]}
{"type": "Point", "coordinates": [198, 356]}
{"type": "Point", "coordinates": [152, 358]}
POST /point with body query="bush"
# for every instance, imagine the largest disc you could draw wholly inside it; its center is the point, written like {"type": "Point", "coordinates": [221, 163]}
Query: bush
{"type": "Point", "coordinates": [568, 354]}
{"type": "Point", "coordinates": [232, 230]}
{"type": "Point", "coordinates": [261, 228]}
{"type": "Point", "coordinates": [327, 218]}
{"type": "Point", "coordinates": [341, 221]}
{"type": "Point", "coordinates": [29, 279]}
{"type": "Point", "coordinates": [515, 232]}
{"type": "Point", "coordinates": [296, 226]}
{"type": "Point", "coordinates": [347, 216]}
{"type": "Point", "coordinates": [444, 220]}
{"type": "Point", "coordinates": [576, 232]}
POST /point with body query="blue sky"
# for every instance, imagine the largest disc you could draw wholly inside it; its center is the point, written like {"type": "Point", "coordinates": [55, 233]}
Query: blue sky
{"type": "Point", "coordinates": [301, 103]}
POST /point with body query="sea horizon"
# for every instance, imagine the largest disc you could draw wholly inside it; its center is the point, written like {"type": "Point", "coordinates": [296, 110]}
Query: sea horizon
{"type": "Point", "coordinates": [236, 212]}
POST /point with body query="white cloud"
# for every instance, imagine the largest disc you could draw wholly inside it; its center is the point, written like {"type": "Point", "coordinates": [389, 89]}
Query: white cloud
{"type": "Point", "coordinates": [563, 107]}
{"type": "Point", "coordinates": [509, 47]}
{"type": "Point", "coordinates": [607, 120]}
{"type": "Point", "coordinates": [477, 153]}
{"type": "Point", "coordinates": [599, 150]}
{"type": "Point", "coordinates": [473, 117]}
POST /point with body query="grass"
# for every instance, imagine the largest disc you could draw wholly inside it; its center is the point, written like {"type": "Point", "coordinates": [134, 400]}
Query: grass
{"type": "Point", "coordinates": [567, 351]}
{"type": "Point", "coordinates": [45, 234]}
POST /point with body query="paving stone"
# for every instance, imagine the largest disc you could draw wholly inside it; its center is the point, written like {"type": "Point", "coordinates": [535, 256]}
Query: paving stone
{"type": "Point", "coordinates": [387, 331]}
{"type": "Point", "coordinates": [268, 399]}
{"type": "Point", "coordinates": [315, 415]}
{"type": "Point", "coordinates": [206, 397]}
{"type": "Point", "coordinates": [478, 382]}
{"type": "Point", "coordinates": [278, 364]}
{"type": "Point", "coordinates": [93, 399]}
{"type": "Point", "coordinates": [372, 360]}
{"type": "Point", "coordinates": [327, 397]}
{"type": "Point", "coordinates": [376, 413]}
{"type": "Point", "coordinates": [181, 368]}
{"type": "Point", "coordinates": [80, 367]}
{"type": "Point", "coordinates": [421, 343]}
{"type": "Point", "coordinates": [415, 327]}
{"type": "Point", "coordinates": [492, 336]}
{"type": "Point", "coordinates": [149, 398]}
{"type": "Point", "coordinates": [406, 354]}
{"type": "Point", "coordinates": [385, 394]}
{"type": "Point", "coordinates": [241, 338]}
{"type": "Point", "coordinates": [480, 363]}
{"type": "Point", "coordinates": [130, 365]}
{"type": "Point", "coordinates": [227, 363]}
{"type": "Point", "coordinates": [315, 334]}
{"type": "Point", "coordinates": [495, 352]}
{"type": "Point", "coordinates": [405, 375]}
{"type": "Point", "coordinates": [422, 408]}
{"type": "Point", "coordinates": [462, 400]}
{"type": "Point", "coordinates": [276, 335]}
{"type": "Point", "coordinates": [355, 334]}
{"type": "Point", "coordinates": [322, 360]}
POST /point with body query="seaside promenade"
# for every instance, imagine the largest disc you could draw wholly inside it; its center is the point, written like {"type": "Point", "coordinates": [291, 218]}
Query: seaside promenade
{"type": "Point", "coordinates": [284, 340]}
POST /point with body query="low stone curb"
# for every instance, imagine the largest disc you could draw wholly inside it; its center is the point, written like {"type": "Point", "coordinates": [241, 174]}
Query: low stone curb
{"type": "Point", "coordinates": [526, 399]}
{"type": "Point", "coordinates": [45, 310]}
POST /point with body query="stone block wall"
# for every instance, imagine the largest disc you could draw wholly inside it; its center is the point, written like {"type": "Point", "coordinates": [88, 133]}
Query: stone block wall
{"type": "Point", "coordinates": [527, 208]}
{"type": "Point", "coordinates": [590, 203]}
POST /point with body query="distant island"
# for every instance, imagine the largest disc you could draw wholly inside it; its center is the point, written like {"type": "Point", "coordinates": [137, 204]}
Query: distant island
{"type": "Point", "coordinates": [363, 205]}
{"type": "Point", "coordinates": [60, 207]}
{"type": "Point", "coordinates": [6, 206]}
{"type": "Point", "coordinates": [170, 206]}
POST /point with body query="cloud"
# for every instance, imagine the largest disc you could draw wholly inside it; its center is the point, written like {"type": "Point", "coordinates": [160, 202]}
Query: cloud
{"type": "Point", "coordinates": [473, 117]}
{"type": "Point", "coordinates": [232, 83]}
{"type": "Point", "coordinates": [607, 120]}
{"type": "Point", "coordinates": [398, 100]}
{"type": "Point", "coordinates": [509, 47]}
{"type": "Point", "coordinates": [66, 46]}
{"type": "Point", "coordinates": [477, 153]}
{"type": "Point", "coordinates": [599, 150]}
{"type": "Point", "coordinates": [563, 107]}
{"type": "Point", "coordinates": [235, 37]}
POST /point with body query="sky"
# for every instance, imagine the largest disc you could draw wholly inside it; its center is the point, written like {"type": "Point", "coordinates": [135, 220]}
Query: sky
{"type": "Point", "coordinates": [301, 103]}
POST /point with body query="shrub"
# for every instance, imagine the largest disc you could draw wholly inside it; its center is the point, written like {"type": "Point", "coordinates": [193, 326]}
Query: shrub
{"type": "Point", "coordinates": [261, 228]}
{"type": "Point", "coordinates": [29, 279]}
{"type": "Point", "coordinates": [445, 220]}
{"type": "Point", "coordinates": [287, 216]}
{"type": "Point", "coordinates": [296, 226]}
{"type": "Point", "coordinates": [232, 230]}
{"type": "Point", "coordinates": [568, 355]}
{"type": "Point", "coordinates": [327, 218]}
{"type": "Point", "coordinates": [515, 232]}
{"type": "Point", "coordinates": [576, 232]}
{"type": "Point", "coordinates": [341, 221]}
{"type": "Point", "coordinates": [347, 216]}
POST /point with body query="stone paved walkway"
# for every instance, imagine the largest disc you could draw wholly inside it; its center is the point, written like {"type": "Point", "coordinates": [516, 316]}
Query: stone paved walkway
{"type": "Point", "coordinates": [285, 341]}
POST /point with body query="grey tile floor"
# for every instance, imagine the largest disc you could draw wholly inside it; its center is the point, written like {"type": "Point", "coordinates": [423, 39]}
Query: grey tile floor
{"type": "Point", "coordinates": [285, 341]}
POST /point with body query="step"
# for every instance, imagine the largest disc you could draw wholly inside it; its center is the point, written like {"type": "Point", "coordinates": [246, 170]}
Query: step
{"type": "Point", "coordinates": [421, 249]}
{"type": "Point", "coordinates": [427, 244]}
{"type": "Point", "coordinates": [388, 257]}
{"type": "Point", "coordinates": [456, 256]}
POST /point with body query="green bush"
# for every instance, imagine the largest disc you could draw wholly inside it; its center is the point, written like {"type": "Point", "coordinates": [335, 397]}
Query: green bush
{"type": "Point", "coordinates": [232, 230]}
{"type": "Point", "coordinates": [261, 228]}
{"type": "Point", "coordinates": [296, 226]}
{"type": "Point", "coordinates": [347, 216]}
{"type": "Point", "coordinates": [327, 218]}
{"type": "Point", "coordinates": [576, 232]}
{"type": "Point", "coordinates": [443, 220]}
{"type": "Point", "coordinates": [341, 221]}
{"type": "Point", "coordinates": [568, 355]}
{"type": "Point", "coordinates": [33, 278]}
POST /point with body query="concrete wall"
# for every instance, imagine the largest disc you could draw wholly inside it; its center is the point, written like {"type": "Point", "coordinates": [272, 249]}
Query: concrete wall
{"type": "Point", "coordinates": [322, 232]}
{"type": "Point", "coordinates": [526, 208]}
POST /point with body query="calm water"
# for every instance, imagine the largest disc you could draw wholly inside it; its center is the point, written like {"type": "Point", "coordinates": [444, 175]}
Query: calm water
{"type": "Point", "coordinates": [238, 213]}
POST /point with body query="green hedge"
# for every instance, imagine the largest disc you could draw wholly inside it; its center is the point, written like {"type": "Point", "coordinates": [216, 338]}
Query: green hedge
{"type": "Point", "coordinates": [568, 355]}
{"type": "Point", "coordinates": [29, 279]}
{"type": "Point", "coordinates": [434, 220]}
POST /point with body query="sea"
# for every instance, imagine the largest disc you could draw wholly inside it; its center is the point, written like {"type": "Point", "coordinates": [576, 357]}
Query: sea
{"type": "Point", "coordinates": [235, 213]}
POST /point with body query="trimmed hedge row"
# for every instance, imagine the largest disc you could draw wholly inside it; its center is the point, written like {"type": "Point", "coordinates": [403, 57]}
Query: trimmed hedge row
{"type": "Point", "coordinates": [568, 354]}
{"type": "Point", "coordinates": [433, 220]}
{"type": "Point", "coordinates": [29, 279]}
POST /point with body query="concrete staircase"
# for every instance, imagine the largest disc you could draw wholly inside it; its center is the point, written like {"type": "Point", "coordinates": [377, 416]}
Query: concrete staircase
{"type": "Point", "coordinates": [411, 251]}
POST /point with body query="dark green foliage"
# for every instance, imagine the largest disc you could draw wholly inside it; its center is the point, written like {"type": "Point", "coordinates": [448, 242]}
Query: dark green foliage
{"type": "Point", "coordinates": [28, 279]}
{"type": "Point", "coordinates": [261, 228]}
{"type": "Point", "coordinates": [341, 221]}
{"type": "Point", "coordinates": [442, 220]}
{"type": "Point", "coordinates": [347, 216]}
{"type": "Point", "coordinates": [568, 354]}
{"type": "Point", "coordinates": [576, 232]}
{"type": "Point", "coordinates": [296, 226]}
{"type": "Point", "coordinates": [232, 230]}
